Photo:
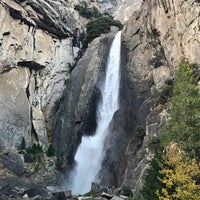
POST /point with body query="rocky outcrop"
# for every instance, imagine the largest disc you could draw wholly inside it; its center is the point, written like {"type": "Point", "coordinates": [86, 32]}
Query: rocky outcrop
{"type": "Point", "coordinates": [126, 9]}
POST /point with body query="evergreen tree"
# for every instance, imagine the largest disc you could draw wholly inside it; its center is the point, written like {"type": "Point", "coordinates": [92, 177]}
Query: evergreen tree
{"type": "Point", "coordinates": [50, 151]}
{"type": "Point", "coordinates": [184, 125]}
{"type": "Point", "coordinates": [23, 144]}
{"type": "Point", "coordinates": [152, 182]}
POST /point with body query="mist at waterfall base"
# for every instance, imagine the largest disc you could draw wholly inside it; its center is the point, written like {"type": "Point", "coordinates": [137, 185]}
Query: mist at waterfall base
{"type": "Point", "coordinates": [90, 152]}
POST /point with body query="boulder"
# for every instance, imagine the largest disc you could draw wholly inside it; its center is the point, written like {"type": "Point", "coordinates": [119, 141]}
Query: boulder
{"type": "Point", "coordinates": [13, 162]}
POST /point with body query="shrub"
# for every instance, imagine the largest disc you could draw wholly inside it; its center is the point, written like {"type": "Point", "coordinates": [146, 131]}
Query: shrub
{"type": "Point", "coordinates": [126, 190]}
{"type": "Point", "coordinates": [100, 23]}
{"type": "Point", "coordinates": [29, 158]}
{"type": "Point", "coordinates": [98, 26]}
{"type": "Point", "coordinates": [158, 55]}
{"type": "Point", "coordinates": [61, 164]}
{"type": "Point", "coordinates": [23, 144]}
{"type": "Point", "coordinates": [88, 12]}
{"type": "Point", "coordinates": [158, 58]}
{"type": "Point", "coordinates": [50, 151]}
{"type": "Point", "coordinates": [154, 143]}
{"type": "Point", "coordinates": [166, 92]}
{"type": "Point", "coordinates": [196, 69]}
{"type": "Point", "coordinates": [33, 153]}
{"type": "Point", "coordinates": [36, 148]}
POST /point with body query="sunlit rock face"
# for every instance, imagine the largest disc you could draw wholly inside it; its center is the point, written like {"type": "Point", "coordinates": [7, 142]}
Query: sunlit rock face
{"type": "Point", "coordinates": [34, 67]}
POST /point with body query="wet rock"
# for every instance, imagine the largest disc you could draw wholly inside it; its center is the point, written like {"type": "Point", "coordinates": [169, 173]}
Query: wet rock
{"type": "Point", "coordinates": [96, 189]}
{"type": "Point", "coordinates": [77, 113]}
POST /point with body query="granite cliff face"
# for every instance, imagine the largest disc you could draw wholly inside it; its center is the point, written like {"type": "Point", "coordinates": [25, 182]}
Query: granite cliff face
{"type": "Point", "coordinates": [46, 96]}
{"type": "Point", "coordinates": [162, 32]}
{"type": "Point", "coordinates": [36, 57]}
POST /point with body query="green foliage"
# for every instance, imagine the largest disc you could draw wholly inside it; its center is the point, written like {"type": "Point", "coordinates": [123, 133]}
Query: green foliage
{"type": "Point", "coordinates": [23, 144]}
{"type": "Point", "coordinates": [50, 151]}
{"type": "Point", "coordinates": [29, 158]}
{"type": "Point", "coordinates": [153, 43]}
{"type": "Point", "coordinates": [99, 23]}
{"type": "Point", "coordinates": [158, 57]}
{"type": "Point", "coordinates": [126, 191]}
{"type": "Point", "coordinates": [91, 194]}
{"type": "Point", "coordinates": [158, 53]}
{"type": "Point", "coordinates": [98, 26]}
{"type": "Point", "coordinates": [36, 148]}
{"type": "Point", "coordinates": [184, 124]}
{"type": "Point", "coordinates": [168, 174]}
{"type": "Point", "coordinates": [152, 182]}
{"type": "Point", "coordinates": [33, 153]}
{"type": "Point", "coordinates": [88, 12]}
{"type": "Point", "coordinates": [128, 198]}
{"type": "Point", "coordinates": [196, 69]}
{"type": "Point", "coordinates": [154, 143]}
{"type": "Point", "coordinates": [166, 92]}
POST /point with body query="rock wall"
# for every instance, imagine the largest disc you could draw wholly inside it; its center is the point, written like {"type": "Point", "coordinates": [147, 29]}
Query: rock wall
{"type": "Point", "coordinates": [36, 56]}
{"type": "Point", "coordinates": [170, 28]}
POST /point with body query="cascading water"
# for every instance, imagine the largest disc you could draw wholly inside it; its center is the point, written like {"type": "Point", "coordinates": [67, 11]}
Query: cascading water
{"type": "Point", "coordinates": [90, 153]}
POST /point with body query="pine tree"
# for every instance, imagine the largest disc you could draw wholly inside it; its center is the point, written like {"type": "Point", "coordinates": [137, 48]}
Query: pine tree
{"type": "Point", "coordinates": [23, 144]}
{"type": "Point", "coordinates": [184, 125]}
{"type": "Point", "coordinates": [152, 182]}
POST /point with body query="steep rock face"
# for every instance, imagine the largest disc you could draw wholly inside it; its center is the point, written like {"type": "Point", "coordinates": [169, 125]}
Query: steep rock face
{"type": "Point", "coordinates": [36, 58]}
{"type": "Point", "coordinates": [180, 35]}
{"type": "Point", "coordinates": [126, 9]}
{"type": "Point", "coordinates": [170, 28]}
{"type": "Point", "coordinates": [15, 119]}
{"type": "Point", "coordinates": [77, 113]}
{"type": "Point", "coordinates": [34, 67]}
{"type": "Point", "coordinates": [37, 55]}
{"type": "Point", "coordinates": [109, 5]}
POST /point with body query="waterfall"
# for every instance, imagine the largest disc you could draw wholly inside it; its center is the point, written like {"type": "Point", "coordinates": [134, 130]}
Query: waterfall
{"type": "Point", "coordinates": [90, 152]}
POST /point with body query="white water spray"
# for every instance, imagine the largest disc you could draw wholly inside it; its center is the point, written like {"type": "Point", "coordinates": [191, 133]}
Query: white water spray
{"type": "Point", "coordinates": [90, 153]}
